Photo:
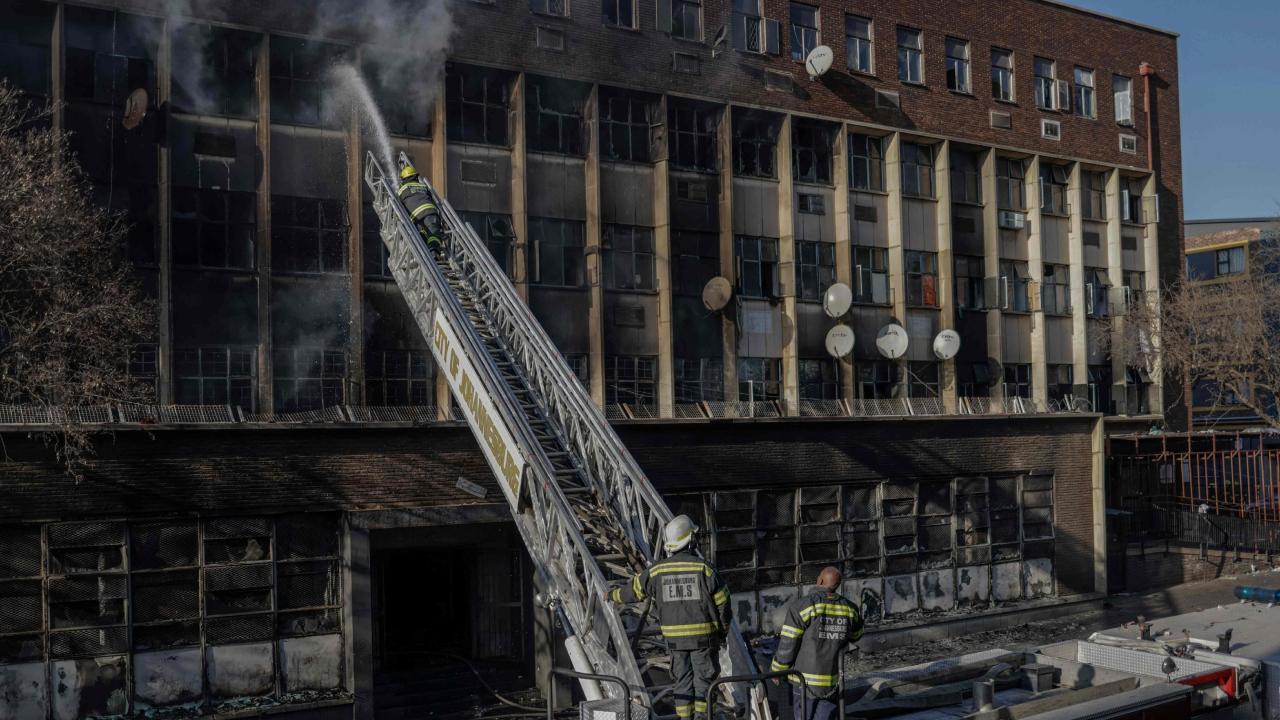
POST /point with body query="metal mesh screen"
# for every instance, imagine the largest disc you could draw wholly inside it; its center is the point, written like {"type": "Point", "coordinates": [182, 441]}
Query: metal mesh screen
{"type": "Point", "coordinates": [19, 552]}
{"type": "Point", "coordinates": [860, 502]}
{"type": "Point", "coordinates": [79, 589]}
{"type": "Point", "coordinates": [307, 536]}
{"type": "Point", "coordinates": [89, 534]}
{"type": "Point", "coordinates": [778, 547]}
{"type": "Point", "coordinates": [307, 585]}
{"type": "Point", "coordinates": [89, 642]}
{"type": "Point", "coordinates": [735, 510]}
{"type": "Point", "coordinates": [1004, 492]}
{"type": "Point", "coordinates": [242, 628]}
{"type": "Point", "coordinates": [295, 624]}
{"type": "Point", "coordinates": [220, 528]}
{"type": "Point", "coordinates": [935, 498]}
{"type": "Point", "coordinates": [238, 577]}
{"type": "Point", "coordinates": [416, 414]}
{"type": "Point", "coordinates": [172, 595]}
{"type": "Point", "coordinates": [776, 508]}
{"type": "Point", "coordinates": [21, 606]}
{"type": "Point", "coordinates": [1004, 526]}
{"type": "Point", "coordinates": [688, 410]}
{"type": "Point", "coordinates": [237, 550]}
{"type": "Point", "coordinates": [185, 633]}
{"type": "Point", "coordinates": [85, 560]}
{"type": "Point", "coordinates": [163, 545]}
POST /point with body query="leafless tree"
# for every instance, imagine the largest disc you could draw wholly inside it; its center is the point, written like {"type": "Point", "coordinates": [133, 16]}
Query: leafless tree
{"type": "Point", "coordinates": [70, 309]}
{"type": "Point", "coordinates": [1225, 331]}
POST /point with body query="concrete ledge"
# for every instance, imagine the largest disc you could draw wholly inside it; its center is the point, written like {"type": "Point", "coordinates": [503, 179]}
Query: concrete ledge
{"type": "Point", "coordinates": [938, 627]}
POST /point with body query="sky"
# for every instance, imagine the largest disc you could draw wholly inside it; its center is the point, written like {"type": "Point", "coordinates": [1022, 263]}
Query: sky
{"type": "Point", "coordinates": [1229, 76]}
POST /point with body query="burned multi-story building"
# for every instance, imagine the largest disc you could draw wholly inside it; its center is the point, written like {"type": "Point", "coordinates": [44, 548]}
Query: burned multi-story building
{"type": "Point", "coordinates": [299, 514]}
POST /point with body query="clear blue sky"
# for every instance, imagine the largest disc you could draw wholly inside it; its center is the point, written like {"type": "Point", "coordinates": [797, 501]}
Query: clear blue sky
{"type": "Point", "coordinates": [1230, 92]}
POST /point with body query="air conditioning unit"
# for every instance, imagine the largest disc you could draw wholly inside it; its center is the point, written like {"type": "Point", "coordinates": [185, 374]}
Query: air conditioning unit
{"type": "Point", "coordinates": [1012, 220]}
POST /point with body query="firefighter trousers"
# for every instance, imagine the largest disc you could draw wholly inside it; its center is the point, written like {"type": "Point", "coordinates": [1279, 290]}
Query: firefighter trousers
{"type": "Point", "coordinates": [693, 672]}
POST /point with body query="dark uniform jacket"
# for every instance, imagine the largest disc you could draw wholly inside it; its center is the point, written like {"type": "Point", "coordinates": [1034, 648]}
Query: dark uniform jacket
{"type": "Point", "coordinates": [690, 600]}
{"type": "Point", "coordinates": [815, 634]}
{"type": "Point", "coordinates": [417, 200]}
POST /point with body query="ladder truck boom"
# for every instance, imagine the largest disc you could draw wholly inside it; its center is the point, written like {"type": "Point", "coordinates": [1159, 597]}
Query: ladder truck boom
{"type": "Point", "coordinates": [586, 512]}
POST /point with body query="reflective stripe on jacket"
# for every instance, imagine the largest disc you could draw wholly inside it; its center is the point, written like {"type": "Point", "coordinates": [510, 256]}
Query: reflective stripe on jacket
{"type": "Point", "coordinates": [416, 198]}
{"type": "Point", "coordinates": [815, 633]}
{"type": "Point", "coordinates": [690, 600]}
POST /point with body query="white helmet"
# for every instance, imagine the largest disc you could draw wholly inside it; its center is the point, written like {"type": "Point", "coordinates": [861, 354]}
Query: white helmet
{"type": "Point", "coordinates": [678, 533]}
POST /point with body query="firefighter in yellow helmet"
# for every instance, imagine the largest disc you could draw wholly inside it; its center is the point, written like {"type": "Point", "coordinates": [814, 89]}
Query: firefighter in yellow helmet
{"type": "Point", "coordinates": [691, 603]}
{"type": "Point", "coordinates": [421, 207]}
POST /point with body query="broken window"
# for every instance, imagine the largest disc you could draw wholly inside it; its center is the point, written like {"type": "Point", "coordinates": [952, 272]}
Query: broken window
{"type": "Point", "coordinates": [376, 255]}
{"type": "Point", "coordinates": [1060, 381]}
{"type": "Point", "coordinates": [917, 170]}
{"type": "Point", "coordinates": [923, 379]}
{"type": "Point", "coordinates": [299, 95]}
{"type": "Point", "coordinates": [628, 257]}
{"type": "Point", "coordinates": [877, 379]}
{"type": "Point", "coordinates": [686, 19]}
{"type": "Point", "coordinates": [109, 55]}
{"type": "Point", "coordinates": [966, 177]}
{"type": "Point", "coordinates": [238, 580]}
{"type": "Point", "coordinates": [1055, 290]}
{"type": "Point", "coordinates": [398, 377]}
{"type": "Point", "coordinates": [969, 283]}
{"type": "Point", "coordinates": [214, 69]}
{"type": "Point", "coordinates": [216, 375]}
{"type": "Point", "coordinates": [1095, 195]}
{"type": "Point", "coordinates": [144, 367]}
{"type": "Point", "coordinates": [866, 163]}
{"type": "Point", "coordinates": [776, 537]}
{"type": "Point", "coordinates": [555, 116]}
{"type": "Point", "coordinates": [1037, 506]}
{"type": "Point", "coordinates": [974, 379]}
{"type": "Point", "coordinates": [26, 56]}
{"type": "Point", "coordinates": [1017, 380]}
{"type": "Point", "coordinates": [558, 252]}
{"type": "Point", "coordinates": [87, 600]}
{"type": "Point", "coordinates": [922, 278]}
{"type": "Point", "coordinates": [1011, 189]}
{"type": "Point", "coordinates": [308, 235]}
{"type": "Point", "coordinates": [757, 259]}
{"type": "Point", "coordinates": [620, 13]}
{"type": "Point", "coordinates": [693, 136]}
{"type": "Point", "coordinates": [811, 152]}
{"type": "Point", "coordinates": [870, 275]}
{"type": "Point", "coordinates": [624, 126]}
{"type": "Point", "coordinates": [1097, 292]}
{"type": "Point", "coordinates": [214, 228]}
{"type": "Point", "coordinates": [819, 379]}
{"type": "Point", "coordinates": [497, 234]}
{"type": "Point", "coordinates": [1053, 189]}
{"type": "Point", "coordinates": [308, 378]}
{"type": "Point", "coordinates": [973, 521]}
{"type": "Point", "coordinates": [631, 380]}
{"type": "Point", "coordinates": [697, 260]}
{"type": "Point", "coordinates": [759, 379]}
{"type": "Point", "coordinates": [476, 103]}
{"type": "Point", "coordinates": [402, 92]}
{"type": "Point", "coordinates": [861, 530]}
{"type": "Point", "coordinates": [755, 139]}
{"type": "Point", "coordinates": [815, 269]}
{"type": "Point", "coordinates": [1015, 286]}
{"type": "Point", "coordinates": [580, 366]}
{"type": "Point", "coordinates": [21, 595]}
{"type": "Point", "coordinates": [699, 379]}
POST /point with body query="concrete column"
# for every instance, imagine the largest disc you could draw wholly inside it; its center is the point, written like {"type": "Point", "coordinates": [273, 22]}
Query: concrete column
{"type": "Point", "coordinates": [1035, 269]}
{"type": "Point", "coordinates": [991, 269]}
{"type": "Point", "coordinates": [164, 339]}
{"type": "Point", "coordinates": [595, 315]}
{"type": "Point", "coordinates": [787, 273]}
{"type": "Point", "coordinates": [1115, 273]}
{"type": "Point", "coordinates": [519, 191]}
{"type": "Point", "coordinates": [662, 267]}
{"type": "Point", "coordinates": [946, 269]}
{"type": "Point", "coordinates": [439, 180]}
{"type": "Point", "coordinates": [729, 317]}
{"type": "Point", "coordinates": [897, 262]}
{"type": "Point", "coordinates": [357, 619]}
{"type": "Point", "coordinates": [266, 398]}
{"type": "Point", "coordinates": [1079, 316]}
{"type": "Point", "coordinates": [1152, 279]}
{"type": "Point", "coordinates": [355, 259]}
{"type": "Point", "coordinates": [844, 240]}
{"type": "Point", "coordinates": [1098, 495]}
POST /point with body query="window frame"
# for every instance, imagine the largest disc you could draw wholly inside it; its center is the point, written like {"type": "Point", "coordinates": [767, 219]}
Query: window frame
{"type": "Point", "coordinates": [970, 288]}
{"type": "Point", "coordinates": [765, 265]}
{"type": "Point", "coordinates": [920, 271]}
{"type": "Point", "coordinates": [910, 58]}
{"type": "Point", "coordinates": [871, 159]}
{"type": "Point", "coordinates": [1046, 85]}
{"type": "Point", "coordinates": [679, 10]}
{"type": "Point", "coordinates": [921, 165]}
{"type": "Point", "coordinates": [613, 238]}
{"type": "Point", "coordinates": [1055, 285]}
{"type": "Point", "coordinates": [568, 264]}
{"type": "Point", "coordinates": [640, 372]}
{"type": "Point", "coordinates": [243, 369]}
{"type": "Point", "coordinates": [800, 50]}
{"type": "Point", "coordinates": [493, 113]}
{"type": "Point", "coordinates": [1085, 96]}
{"type": "Point", "coordinates": [1011, 183]}
{"type": "Point", "coordinates": [958, 66]}
{"type": "Point", "coordinates": [818, 150]}
{"type": "Point", "coordinates": [637, 132]}
{"type": "Point", "coordinates": [856, 45]}
{"type": "Point", "coordinates": [761, 144]}
{"type": "Point", "coordinates": [867, 263]}
{"type": "Point", "coordinates": [815, 269]}
{"type": "Point", "coordinates": [1125, 118]}
{"type": "Point", "coordinates": [1009, 78]}
{"type": "Point", "coordinates": [617, 22]}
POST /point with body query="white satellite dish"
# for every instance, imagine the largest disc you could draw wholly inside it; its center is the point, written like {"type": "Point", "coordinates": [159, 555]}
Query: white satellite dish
{"type": "Point", "coordinates": [947, 344]}
{"type": "Point", "coordinates": [891, 341]}
{"type": "Point", "coordinates": [837, 300]}
{"type": "Point", "coordinates": [818, 61]}
{"type": "Point", "coordinates": [716, 293]}
{"type": "Point", "coordinates": [840, 341]}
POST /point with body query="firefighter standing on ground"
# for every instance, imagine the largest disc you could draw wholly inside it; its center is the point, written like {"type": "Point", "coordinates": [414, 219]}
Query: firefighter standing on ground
{"type": "Point", "coordinates": [691, 603]}
{"type": "Point", "coordinates": [817, 630]}
{"type": "Point", "coordinates": [421, 206]}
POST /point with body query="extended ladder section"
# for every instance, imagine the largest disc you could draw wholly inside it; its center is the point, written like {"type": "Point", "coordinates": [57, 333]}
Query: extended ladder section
{"type": "Point", "coordinates": [588, 515]}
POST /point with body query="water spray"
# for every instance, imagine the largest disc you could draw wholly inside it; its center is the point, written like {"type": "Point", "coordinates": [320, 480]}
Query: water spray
{"type": "Point", "coordinates": [349, 80]}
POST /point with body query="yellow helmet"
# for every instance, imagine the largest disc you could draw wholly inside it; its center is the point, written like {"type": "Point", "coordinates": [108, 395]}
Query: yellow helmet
{"type": "Point", "coordinates": [408, 171]}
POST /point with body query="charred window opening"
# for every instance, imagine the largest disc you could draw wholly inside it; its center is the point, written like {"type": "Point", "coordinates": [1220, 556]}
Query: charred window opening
{"type": "Point", "coordinates": [811, 152]}
{"type": "Point", "coordinates": [109, 55]}
{"type": "Point", "coordinates": [628, 257]}
{"type": "Point", "coordinates": [214, 228]}
{"type": "Point", "coordinates": [866, 162]}
{"type": "Point", "coordinates": [21, 595]}
{"type": "Point", "coordinates": [870, 275]}
{"type": "Point", "coordinates": [923, 379]}
{"type": "Point", "coordinates": [757, 259]}
{"type": "Point", "coordinates": [759, 379]}
{"type": "Point", "coordinates": [755, 140]}
{"type": "Point", "coordinates": [376, 255]}
{"type": "Point", "coordinates": [917, 170]}
{"type": "Point", "coordinates": [580, 366]}
{"type": "Point", "coordinates": [144, 367]}
{"type": "Point", "coordinates": [214, 69]}
{"type": "Point", "coordinates": [697, 260]}
{"type": "Point", "coordinates": [815, 269]}
{"type": "Point", "coordinates": [498, 235]}
{"type": "Point", "coordinates": [554, 118]}
{"type": "Point", "coordinates": [309, 378]}
{"type": "Point", "coordinates": [625, 123]}
{"type": "Point", "coordinates": [476, 105]}
{"type": "Point", "coordinates": [631, 380]}
{"type": "Point", "coordinates": [26, 55]}
{"type": "Point", "coordinates": [922, 279]}
{"type": "Point", "coordinates": [877, 379]}
{"type": "Point", "coordinates": [87, 596]}
{"type": "Point", "coordinates": [1053, 189]}
{"type": "Point", "coordinates": [398, 377]}
{"type": "Point", "coordinates": [308, 235]}
{"type": "Point", "coordinates": [819, 379]}
{"type": "Point", "coordinates": [966, 177]}
{"type": "Point", "coordinates": [1011, 189]}
{"type": "Point", "coordinates": [558, 252]}
{"type": "Point", "coordinates": [693, 136]}
{"type": "Point", "coordinates": [1017, 381]}
{"type": "Point", "coordinates": [699, 379]}
{"type": "Point", "coordinates": [1095, 195]}
{"type": "Point", "coordinates": [215, 375]}
{"type": "Point", "coordinates": [298, 93]}
{"type": "Point", "coordinates": [402, 91]}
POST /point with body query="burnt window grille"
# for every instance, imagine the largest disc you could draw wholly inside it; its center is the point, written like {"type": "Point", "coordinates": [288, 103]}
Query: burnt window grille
{"type": "Point", "coordinates": [755, 141]}
{"type": "Point", "coordinates": [476, 105]}
{"type": "Point", "coordinates": [811, 152]}
{"type": "Point", "coordinates": [757, 259]}
{"type": "Point", "coordinates": [555, 117]}
{"type": "Point", "coordinates": [815, 269]}
{"type": "Point", "coordinates": [222, 81]}
{"type": "Point", "coordinates": [877, 379]}
{"type": "Point", "coordinates": [759, 379]}
{"type": "Point", "coordinates": [215, 375]}
{"type": "Point", "coordinates": [398, 377]}
{"type": "Point", "coordinates": [923, 379]}
{"type": "Point", "coordinates": [215, 228]}
{"type": "Point", "coordinates": [631, 380]}
{"type": "Point", "coordinates": [308, 378]}
{"type": "Point", "coordinates": [308, 235]}
{"type": "Point", "coordinates": [699, 379]}
{"type": "Point", "coordinates": [693, 137]}
{"type": "Point", "coordinates": [819, 379]}
{"type": "Point", "coordinates": [497, 234]}
{"type": "Point", "coordinates": [697, 260]}
{"type": "Point", "coordinates": [628, 257]}
{"type": "Point", "coordinates": [559, 252]}
{"type": "Point", "coordinates": [624, 126]}
{"type": "Point", "coordinates": [298, 92]}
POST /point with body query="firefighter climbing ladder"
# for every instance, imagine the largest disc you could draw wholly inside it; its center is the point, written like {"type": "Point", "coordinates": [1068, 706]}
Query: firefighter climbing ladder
{"type": "Point", "coordinates": [588, 515]}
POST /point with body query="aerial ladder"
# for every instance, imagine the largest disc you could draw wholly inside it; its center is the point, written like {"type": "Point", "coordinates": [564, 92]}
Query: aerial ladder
{"type": "Point", "coordinates": [586, 512]}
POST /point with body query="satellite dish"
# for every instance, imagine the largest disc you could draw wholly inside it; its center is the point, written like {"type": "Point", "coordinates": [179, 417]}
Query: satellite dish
{"type": "Point", "coordinates": [891, 341]}
{"type": "Point", "coordinates": [818, 61]}
{"type": "Point", "coordinates": [837, 300]}
{"type": "Point", "coordinates": [135, 109]}
{"type": "Point", "coordinates": [839, 341]}
{"type": "Point", "coordinates": [716, 293]}
{"type": "Point", "coordinates": [947, 344]}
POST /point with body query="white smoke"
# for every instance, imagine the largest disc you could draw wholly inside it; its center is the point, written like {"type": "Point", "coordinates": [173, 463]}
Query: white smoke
{"type": "Point", "coordinates": [348, 81]}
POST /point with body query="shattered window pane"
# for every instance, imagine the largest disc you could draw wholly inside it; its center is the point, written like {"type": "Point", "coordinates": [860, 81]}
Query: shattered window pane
{"type": "Point", "coordinates": [213, 70]}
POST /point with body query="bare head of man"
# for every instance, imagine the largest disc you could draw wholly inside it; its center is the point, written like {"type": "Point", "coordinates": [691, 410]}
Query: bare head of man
{"type": "Point", "coordinates": [830, 578]}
